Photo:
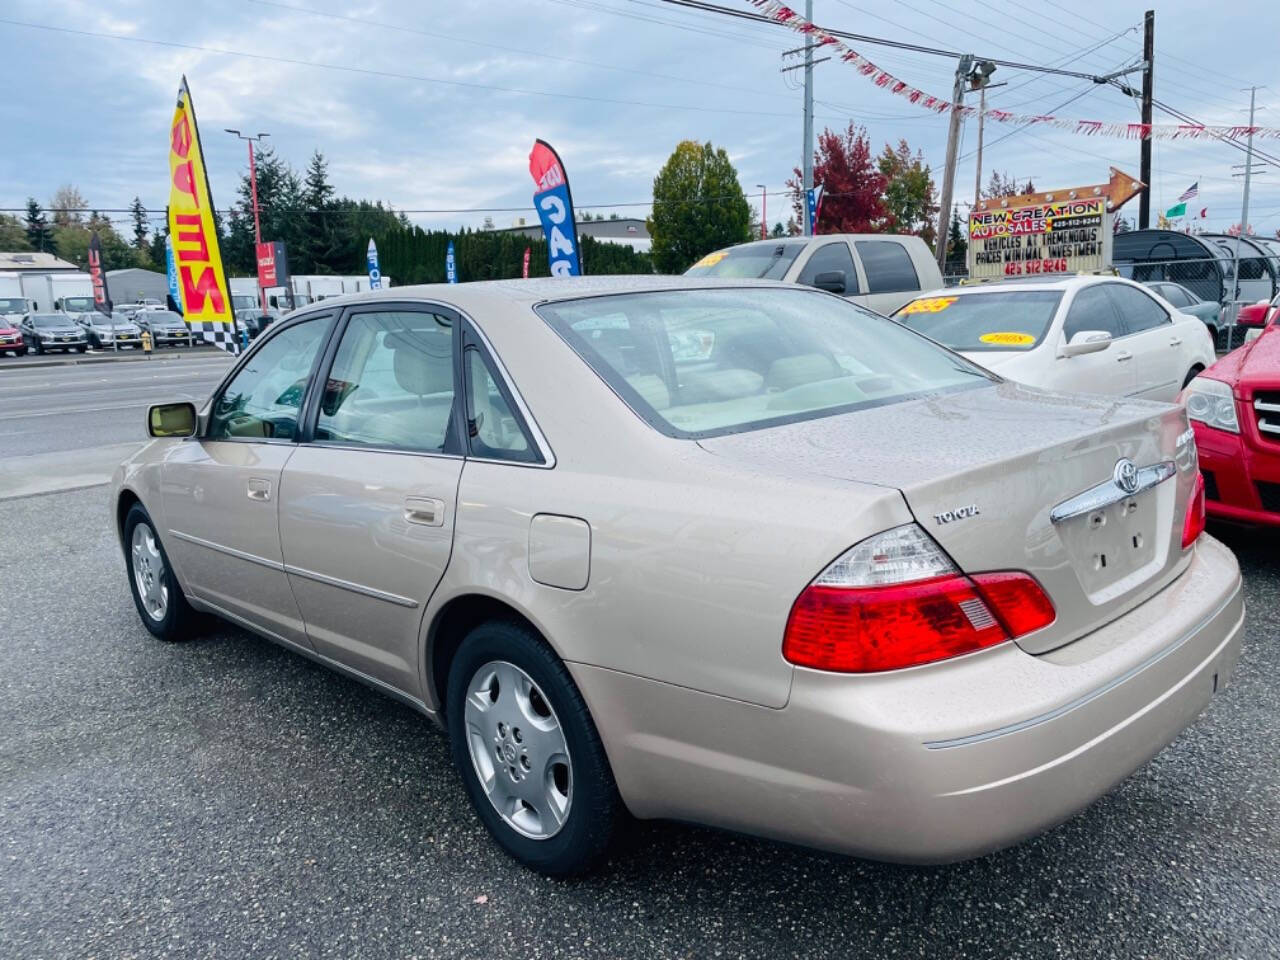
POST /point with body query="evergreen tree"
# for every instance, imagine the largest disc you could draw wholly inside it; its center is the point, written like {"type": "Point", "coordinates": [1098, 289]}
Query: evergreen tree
{"type": "Point", "coordinates": [139, 213]}
{"type": "Point", "coordinates": [13, 235]}
{"type": "Point", "coordinates": [957, 244]}
{"type": "Point", "coordinates": [39, 233]}
{"type": "Point", "coordinates": [909, 192]}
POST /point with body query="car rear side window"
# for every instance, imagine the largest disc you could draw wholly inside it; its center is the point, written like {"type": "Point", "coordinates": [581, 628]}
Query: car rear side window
{"type": "Point", "coordinates": [828, 258]}
{"type": "Point", "coordinates": [1140, 312]}
{"type": "Point", "coordinates": [1175, 295]}
{"type": "Point", "coordinates": [391, 384]}
{"type": "Point", "coordinates": [1092, 310]}
{"type": "Point", "coordinates": [888, 266]}
{"type": "Point", "coordinates": [264, 398]}
{"type": "Point", "coordinates": [495, 430]}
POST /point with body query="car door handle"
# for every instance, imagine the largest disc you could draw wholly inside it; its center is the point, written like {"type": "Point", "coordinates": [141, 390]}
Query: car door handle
{"type": "Point", "coordinates": [259, 489]}
{"type": "Point", "coordinates": [1124, 355]}
{"type": "Point", "coordinates": [425, 511]}
{"type": "Point", "coordinates": [1175, 342]}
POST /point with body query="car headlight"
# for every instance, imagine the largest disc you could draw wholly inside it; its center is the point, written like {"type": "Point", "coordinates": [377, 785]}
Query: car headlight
{"type": "Point", "coordinates": [1212, 403]}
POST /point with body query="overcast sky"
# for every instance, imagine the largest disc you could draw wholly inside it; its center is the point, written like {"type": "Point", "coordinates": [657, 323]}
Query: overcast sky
{"type": "Point", "coordinates": [419, 104]}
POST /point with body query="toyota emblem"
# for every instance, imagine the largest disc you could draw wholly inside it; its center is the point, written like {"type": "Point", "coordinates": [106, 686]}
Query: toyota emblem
{"type": "Point", "coordinates": [1126, 475]}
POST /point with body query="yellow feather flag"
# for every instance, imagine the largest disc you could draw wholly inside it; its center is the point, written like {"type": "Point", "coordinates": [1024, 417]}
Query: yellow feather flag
{"type": "Point", "coordinates": [202, 283]}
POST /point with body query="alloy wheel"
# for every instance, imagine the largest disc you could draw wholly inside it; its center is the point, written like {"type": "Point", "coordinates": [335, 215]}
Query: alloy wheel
{"type": "Point", "coordinates": [518, 749]}
{"type": "Point", "coordinates": [149, 572]}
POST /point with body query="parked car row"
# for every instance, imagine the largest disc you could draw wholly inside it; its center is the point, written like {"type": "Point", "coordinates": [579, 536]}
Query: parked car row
{"type": "Point", "coordinates": [727, 551]}
{"type": "Point", "coordinates": [40, 332]}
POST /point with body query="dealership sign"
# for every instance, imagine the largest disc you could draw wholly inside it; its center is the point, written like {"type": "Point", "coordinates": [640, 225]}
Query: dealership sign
{"type": "Point", "coordinates": [1062, 231]}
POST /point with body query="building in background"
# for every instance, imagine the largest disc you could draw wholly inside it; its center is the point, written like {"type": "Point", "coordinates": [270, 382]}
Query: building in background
{"type": "Point", "coordinates": [133, 285]}
{"type": "Point", "coordinates": [35, 263]}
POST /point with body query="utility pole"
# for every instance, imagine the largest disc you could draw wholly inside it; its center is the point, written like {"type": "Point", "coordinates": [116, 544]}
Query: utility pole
{"type": "Point", "coordinates": [1244, 216]}
{"type": "Point", "coordinates": [764, 212]}
{"type": "Point", "coordinates": [253, 193]}
{"type": "Point", "coordinates": [808, 119]}
{"type": "Point", "coordinates": [1148, 85]}
{"type": "Point", "coordinates": [953, 145]}
{"type": "Point", "coordinates": [977, 174]}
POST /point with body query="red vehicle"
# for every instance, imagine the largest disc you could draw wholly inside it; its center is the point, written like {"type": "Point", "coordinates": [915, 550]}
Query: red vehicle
{"type": "Point", "coordinates": [1234, 407]}
{"type": "Point", "coordinates": [11, 339]}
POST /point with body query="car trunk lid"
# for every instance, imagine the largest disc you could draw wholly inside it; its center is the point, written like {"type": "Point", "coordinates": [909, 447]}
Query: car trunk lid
{"type": "Point", "coordinates": [982, 471]}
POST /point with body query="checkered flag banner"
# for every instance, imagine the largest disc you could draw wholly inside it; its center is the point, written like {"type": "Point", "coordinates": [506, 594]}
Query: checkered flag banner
{"type": "Point", "coordinates": [221, 335]}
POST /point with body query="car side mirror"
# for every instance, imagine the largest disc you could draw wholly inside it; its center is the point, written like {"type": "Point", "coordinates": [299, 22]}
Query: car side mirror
{"type": "Point", "coordinates": [172, 420]}
{"type": "Point", "coordinates": [1253, 315]}
{"type": "Point", "coordinates": [1086, 341]}
{"type": "Point", "coordinates": [831, 281]}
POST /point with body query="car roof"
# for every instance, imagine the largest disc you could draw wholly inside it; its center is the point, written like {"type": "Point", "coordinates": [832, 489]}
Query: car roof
{"type": "Point", "coordinates": [1072, 282]}
{"type": "Point", "coordinates": [477, 296]}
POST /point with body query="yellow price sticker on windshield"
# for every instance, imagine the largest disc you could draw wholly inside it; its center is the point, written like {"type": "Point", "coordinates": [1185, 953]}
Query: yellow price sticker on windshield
{"type": "Point", "coordinates": [1006, 339]}
{"type": "Point", "coordinates": [929, 305]}
{"type": "Point", "coordinates": [711, 259]}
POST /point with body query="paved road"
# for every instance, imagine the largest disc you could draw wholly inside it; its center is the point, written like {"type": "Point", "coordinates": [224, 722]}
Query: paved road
{"type": "Point", "coordinates": [69, 425]}
{"type": "Point", "coordinates": [225, 798]}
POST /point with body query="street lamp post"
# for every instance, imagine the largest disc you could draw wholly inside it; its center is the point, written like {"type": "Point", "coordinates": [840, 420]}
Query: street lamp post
{"type": "Point", "coordinates": [253, 193]}
{"type": "Point", "coordinates": [764, 212]}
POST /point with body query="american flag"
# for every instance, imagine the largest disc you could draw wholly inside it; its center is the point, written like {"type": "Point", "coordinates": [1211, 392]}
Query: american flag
{"type": "Point", "coordinates": [1190, 192]}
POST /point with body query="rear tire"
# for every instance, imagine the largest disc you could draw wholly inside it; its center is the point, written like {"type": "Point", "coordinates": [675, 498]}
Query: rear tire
{"type": "Point", "coordinates": [504, 678]}
{"type": "Point", "coordinates": [39, 348]}
{"type": "Point", "coordinates": [161, 604]}
{"type": "Point", "coordinates": [1192, 374]}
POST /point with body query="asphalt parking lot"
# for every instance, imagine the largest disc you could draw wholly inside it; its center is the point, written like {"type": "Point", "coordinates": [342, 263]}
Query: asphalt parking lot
{"type": "Point", "coordinates": [225, 798]}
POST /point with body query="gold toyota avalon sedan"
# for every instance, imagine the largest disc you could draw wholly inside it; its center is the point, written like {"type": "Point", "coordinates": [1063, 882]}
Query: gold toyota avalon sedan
{"type": "Point", "coordinates": [737, 553]}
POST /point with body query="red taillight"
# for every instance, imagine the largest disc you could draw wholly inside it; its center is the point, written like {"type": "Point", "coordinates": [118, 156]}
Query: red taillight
{"type": "Point", "coordinates": [1193, 525]}
{"type": "Point", "coordinates": [866, 629]}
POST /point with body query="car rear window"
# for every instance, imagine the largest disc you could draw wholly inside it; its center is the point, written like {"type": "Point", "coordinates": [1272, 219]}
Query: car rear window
{"type": "Point", "coordinates": [983, 322]}
{"type": "Point", "coordinates": [700, 363]}
{"type": "Point", "coordinates": [754, 261]}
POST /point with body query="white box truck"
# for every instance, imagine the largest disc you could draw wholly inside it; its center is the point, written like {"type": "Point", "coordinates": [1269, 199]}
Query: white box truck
{"type": "Point", "coordinates": [13, 302]}
{"type": "Point", "coordinates": [310, 288]}
{"type": "Point", "coordinates": [49, 292]}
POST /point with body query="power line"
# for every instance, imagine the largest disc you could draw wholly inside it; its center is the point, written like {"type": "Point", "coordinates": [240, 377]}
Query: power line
{"type": "Point", "coordinates": [882, 41]}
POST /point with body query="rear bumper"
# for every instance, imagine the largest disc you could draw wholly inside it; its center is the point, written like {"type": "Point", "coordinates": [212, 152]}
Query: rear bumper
{"type": "Point", "coordinates": [1236, 469]}
{"type": "Point", "coordinates": [936, 763]}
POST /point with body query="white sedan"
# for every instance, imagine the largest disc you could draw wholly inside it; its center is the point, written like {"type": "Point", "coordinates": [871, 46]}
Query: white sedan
{"type": "Point", "coordinates": [1087, 334]}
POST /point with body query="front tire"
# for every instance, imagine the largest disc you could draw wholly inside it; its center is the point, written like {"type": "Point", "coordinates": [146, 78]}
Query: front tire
{"type": "Point", "coordinates": [39, 348]}
{"type": "Point", "coordinates": [528, 752]}
{"type": "Point", "coordinates": [160, 601]}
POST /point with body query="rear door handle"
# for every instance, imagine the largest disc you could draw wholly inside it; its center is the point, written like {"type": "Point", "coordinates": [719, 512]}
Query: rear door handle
{"type": "Point", "coordinates": [1175, 342]}
{"type": "Point", "coordinates": [1124, 355]}
{"type": "Point", "coordinates": [258, 489]}
{"type": "Point", "coordinates": [425, 511]}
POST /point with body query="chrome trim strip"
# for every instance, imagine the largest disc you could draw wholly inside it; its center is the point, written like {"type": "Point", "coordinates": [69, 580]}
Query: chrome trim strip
{"type": "Point", "coordinates": [1268, 407]}
{"type": "Point", "coordinates": [348, 585]}
{"type": "Point", "coordinates": [1109, 492]}
{"type": "Point", "coordinates": [229, 551]}
{"type": "Point", "coordinates": [1092, 694]}
{"type": "Point", "coordinates": [1266, 426]}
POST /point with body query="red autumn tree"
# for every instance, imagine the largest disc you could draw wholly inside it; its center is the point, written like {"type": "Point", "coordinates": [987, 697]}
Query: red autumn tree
{"type": "Point", "coordinates": [852, 187]}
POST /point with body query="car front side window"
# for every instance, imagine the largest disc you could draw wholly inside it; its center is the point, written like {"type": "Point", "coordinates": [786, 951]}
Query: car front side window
{"type": "Point", "coordinates": [264, 398]}
{"type": "Point", "coordinates": [1092, 310]}
{"type": "Point", "coordinates": [828, 258]}
{"type": "Point", "coordinates": [392, 383]}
